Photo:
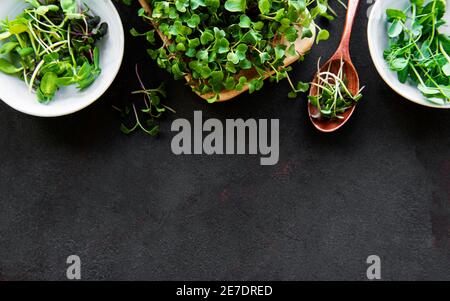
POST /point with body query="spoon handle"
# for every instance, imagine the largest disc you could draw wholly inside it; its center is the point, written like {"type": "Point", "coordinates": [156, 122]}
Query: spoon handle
{"type": "Point", "coordinates": [344, 47]}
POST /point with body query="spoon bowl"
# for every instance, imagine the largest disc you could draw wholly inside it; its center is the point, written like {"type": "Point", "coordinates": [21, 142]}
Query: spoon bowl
{"type": "Point", "coordinates": [333, 65]}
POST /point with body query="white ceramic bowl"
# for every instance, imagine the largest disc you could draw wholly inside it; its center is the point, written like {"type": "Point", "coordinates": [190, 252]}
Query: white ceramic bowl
{"type": "Point", "coordinates": [14, 91]}
{"type": "Point", "coordinates": [378, 42]}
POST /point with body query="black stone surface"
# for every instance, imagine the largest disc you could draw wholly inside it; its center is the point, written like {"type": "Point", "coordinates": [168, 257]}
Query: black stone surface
{"type": "Point", "coordinates": [133, 210]}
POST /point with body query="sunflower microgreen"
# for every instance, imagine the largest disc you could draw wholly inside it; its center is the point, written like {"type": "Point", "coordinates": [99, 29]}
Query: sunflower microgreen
{"type": "Point", "coordinates": [52, 44]}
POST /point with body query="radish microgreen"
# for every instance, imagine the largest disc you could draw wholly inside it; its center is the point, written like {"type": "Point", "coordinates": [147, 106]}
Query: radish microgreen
{"type": "Point", "coordinates": [333, 96]}
{"type": "Point", "coordinates": [225, 45]}
{"type": "Point", "coordinates": [143, 115]}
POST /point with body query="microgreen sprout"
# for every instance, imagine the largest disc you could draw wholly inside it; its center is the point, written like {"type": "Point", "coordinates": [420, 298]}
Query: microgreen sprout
{"type": "Point", "coordinates": [226, 45]}
{"type": "Point", "coordinates": [144, 114]}
{"type": "Point", "coordinates": [333, 96]}
{"type": "Point", "coordinates": [52, 44]}
{"type": "Point", "coordinates": [417, 51]}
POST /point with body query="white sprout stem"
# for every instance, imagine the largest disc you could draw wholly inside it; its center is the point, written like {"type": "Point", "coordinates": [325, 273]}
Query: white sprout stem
{"type": "Point", "coordinates": [49, 21]}
{"type": "Point", "coordinates": [87, 26]}
{"type": "Point", "coordinates": [444, 52]}
{"type": "Point", "coordinates": [335, 96]}
{"type": "Point", "coordinates": [33, 44]}
{"type": "Point", "coordinates": [322, 87]}
{"type": "Point", "coordinates": [25, 76]}
{"type": "Point", "coordinates": [340, 81]}
{"type": "Point", "coordinates": [38, 39]}
{"type": "Point", "coordinates": [39, 21]}
{"type": "Point", "coordinates": [70, 48]}
{"type": "Point", "coordinates": [53, 46]}
{"type": "Point", "coordinates": [54, 33]}
{"type": "Point", "coordinates": [342, 3]}
{"type": "Point", "coordinates": [35, 73]}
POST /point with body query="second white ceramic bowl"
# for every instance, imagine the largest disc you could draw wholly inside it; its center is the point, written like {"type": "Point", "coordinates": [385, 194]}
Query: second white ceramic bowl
{"type": "Point", "coordinates": [378, 42]}
{"type": "Point", "coordinates": [14, 92]}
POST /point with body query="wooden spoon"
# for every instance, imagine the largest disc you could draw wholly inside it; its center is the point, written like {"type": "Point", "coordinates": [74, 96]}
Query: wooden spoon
{"type": "Point", "coordinates": [333, 64]}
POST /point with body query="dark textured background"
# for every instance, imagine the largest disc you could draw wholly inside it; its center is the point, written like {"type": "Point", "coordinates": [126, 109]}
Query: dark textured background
{"type": "Point", "coordinates": [132, 210]}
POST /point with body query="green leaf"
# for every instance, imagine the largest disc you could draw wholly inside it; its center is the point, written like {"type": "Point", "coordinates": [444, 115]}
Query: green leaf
{"type": "Point", "coordinates": [135, 33]}
{"type": "Point", "coordinates": [229, 83]}
{"type": "Point", "coordinates": [97, 58]}
{"type": "Point", "coordinates": [8, 47]}
{"type": "Point", "coordinates": [194, 21]}
{"type": "Point", "coordinates": [292, 94]}
{"type": "Point", "coordinates": [264, 57]}
{"type": "Point", "coordinates": [245, 22]}
{"type": "Point", "coordinates": [264, 6]}
{"type": "Point", "coordinates": [48, 86]}
{"type": "Point", "coordinates": [194, 43]}
{"type": "Point", "coordinates": [216, 80]}
{"type": "Point", "coordinates": [71, 9]}
{"type": "Point", "coordinates": [202, 55]}
{"type": "Point", "coordinates": [398, 64]}
{"type": "Point", "coordinates": [213, 99]}
{"type": "Point", "coordinates": [291, 34]}
{"type": "Point", "coordinates": [197, 3]}
{"type": "Point", "coordinates": [246, 64]}
{"type": "Point", "coordinates": [181, 5]}
{"type": "Point", "coordinates": [44, 9]}
{"type": "Point", "coordinates": [206, 37]}
{"type": "Point", "coordinates": [124, 129]}
{"type": "Point", "coordinates": [241, 51]}
{"type": "Point", "coordinates": [395, 29]}
{"type": "Point", "coordinates": [258, 25]}
{"type": "Point", "coordinates": [236, 5]}
{"type": "Point", "coordinates": [313, 100]}
{"type": "Point", "coordinates": [446, 69]}
{"type": "Point", "coordinates": [154, 131]}
{"type": "Point", "coordinates": [232, 57]}
{"type": "Point", "coordinates": [280, 52]}
{"type": "Point", "coordinates": [65, 81]}
{"type": "Point", "coordinates": [181, 47]}
{"type": "Point", "coordinates": [212, 4]}
{"type": "Point", "coordinates": [306, 33]}
{"type": "Point", "coordinates": [23, 52]}
{"type": "Point", "coordinates": [428, 90]}
{"type": "Point", "coordinates": [176, 70]}
{"type": "Point", "coordinates": [242, 82]}
{"type": "Point", "coordinates": [8, 68]}
{"type": "Point", "coordinates": [255, 85]}
{"type": "Point", "coordinates": [223, 46]}
{"type": "Point", "coordinates": [4, 35]}
{"type": "Point", "coordinates": [323, 35]}
{"type": "Point", "coordinates": [302, 87]}
{"type": "Point", "coordinates": [403, 74]}
{"type": "Point", "coordinates": [395, 14]}
{"type": "Point", "coordinates": [16, 28]}
{"type": "Point", "coordinates": [69, 6]}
